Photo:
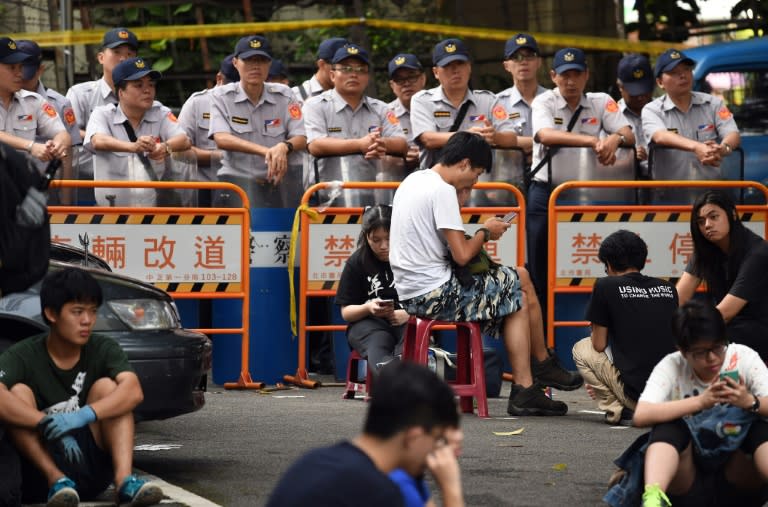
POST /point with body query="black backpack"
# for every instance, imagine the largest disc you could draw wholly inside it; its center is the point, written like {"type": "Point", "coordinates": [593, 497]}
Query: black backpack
{"type": "Point", "coordinates": [24, 251]}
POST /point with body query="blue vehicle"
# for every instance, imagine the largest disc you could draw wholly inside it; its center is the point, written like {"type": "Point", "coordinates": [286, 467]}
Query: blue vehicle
{"type": "Point", "coordinates": [738, 71]}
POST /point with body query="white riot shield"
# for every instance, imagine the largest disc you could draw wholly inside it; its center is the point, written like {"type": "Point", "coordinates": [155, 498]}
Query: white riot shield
{"type": "Point", "coordinates": [581, 164]}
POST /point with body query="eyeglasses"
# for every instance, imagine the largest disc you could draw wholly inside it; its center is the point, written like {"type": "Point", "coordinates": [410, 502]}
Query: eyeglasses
{"type": "Point", "coordinates": [523, 57]}
{"type": "Point", "coordinates": [702, 354]}
{"type": "Point", "coordinates": [352, 69]}
{"type": "Point", "coordinates": [406, 80]}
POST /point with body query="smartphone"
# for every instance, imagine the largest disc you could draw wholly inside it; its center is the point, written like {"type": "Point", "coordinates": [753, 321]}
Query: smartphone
{"type": "Point", "coordinates": [387, 302]}
{"type": "Point", "coordinates": [733, 374]}
{"type": "Point", "coordinates": [509, 217]}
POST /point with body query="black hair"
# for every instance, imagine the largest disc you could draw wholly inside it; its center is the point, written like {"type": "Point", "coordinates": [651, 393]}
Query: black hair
{"type": "Point", "coordinates": [69, 285]}
{"type": "Point", "coordinates": [698, 321]}
{"type": "Point", "coordinates": [623, 250]}
{"type": "Point", "coordinates": [375, 217]}
{"type": "Point", "coordinates": [468, 145]}
{"type": "Point", "coordinates": [409, 395]}
{"type": "Point", "coordinates": [709, 261]}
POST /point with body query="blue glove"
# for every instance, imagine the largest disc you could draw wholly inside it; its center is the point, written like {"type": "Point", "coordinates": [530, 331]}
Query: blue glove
{"type": "Point", "coordinates": [71, 450]}
{"type": "Point", "coordinates": [57, 425]}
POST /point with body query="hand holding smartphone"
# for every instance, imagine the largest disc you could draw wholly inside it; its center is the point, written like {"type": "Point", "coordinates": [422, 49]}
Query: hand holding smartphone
{"type": "Point", "coordinates": [509, 217]}
{"type": "Point", "coordinates": [732, 374]}
{"type": "Point", "coordinates": [387, 303]}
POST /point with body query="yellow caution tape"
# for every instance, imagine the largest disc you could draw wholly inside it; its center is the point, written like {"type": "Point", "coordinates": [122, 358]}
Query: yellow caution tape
{"type": "Point", "coordinates": [304, 208]}
{"type": "Point", "coordinates": [148, 33]}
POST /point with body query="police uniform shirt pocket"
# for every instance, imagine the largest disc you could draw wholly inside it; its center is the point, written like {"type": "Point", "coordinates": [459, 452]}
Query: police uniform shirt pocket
{"type": "Point", "coordinates": [588, 124]}
{"type": "Point", "coordinates": [241, 124]}
{"type": "Point", "coordinates": [204, 122]}
{"type": "Point", "coordinates": [443, 120]}
{"type": "Point", "coordinates": [273, 127]}
{"type": "Point", "coordinates": [24, 126]}
{"type": "Point", "coordinates": [706, 132]}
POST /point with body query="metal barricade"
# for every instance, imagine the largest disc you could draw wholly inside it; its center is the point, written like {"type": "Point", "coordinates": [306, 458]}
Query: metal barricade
{"type": "Point", "coordinates": [580, 164]}
{"type": "Point", "coordinates": [229, 285]}
{"type": "Point", "coordinates": [355, 168]}
{"type": "Point", "coordinates": [671, 164]}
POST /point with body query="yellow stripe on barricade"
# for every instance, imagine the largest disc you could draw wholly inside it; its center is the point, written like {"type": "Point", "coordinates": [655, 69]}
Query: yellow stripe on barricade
{"type": "Point", "coordinates": [154, 219]}
{"type": "Point", "coordinates": [149, 33]}
{"type": "Point", "coordinates": [643, 216]}
{"type": "Point", "coordinates": [199, 287]}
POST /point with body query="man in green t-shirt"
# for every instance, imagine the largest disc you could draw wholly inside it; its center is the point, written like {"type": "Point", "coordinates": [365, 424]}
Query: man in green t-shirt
{"type": "Point", "coordinates": [67, 400]}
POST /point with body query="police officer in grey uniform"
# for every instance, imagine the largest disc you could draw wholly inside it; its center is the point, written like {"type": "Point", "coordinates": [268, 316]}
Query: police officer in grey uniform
{"type": "Point", "coordinates": [259, 128]}
{"type": "Point", "coordinates": [690, 121]}
{"type": "Point", "coordinates": [26, 116]}
{"type": "Point", "coordinates": [406, 78]}
{"type": "Point", "coordinates": [522, 60]}
{"type": "Point", "coordinates": [635, 82]}
{"type": "Point", "coordinates": [599, 126]}
{"type": "Point", "coordinates": [158, 135]}
{"type": "Point", "coordinates": [434, 111]}
{"type": "Point", "coordinates": [195, 119]}
{"type": "Point", "coordinates": [321, 79]}
{"type": "Point", "coordinates": [117, 45]}
{"type": "Point", "coordinates": [32, 69]}
{"type": "Point", "coordinates": [344, 121]}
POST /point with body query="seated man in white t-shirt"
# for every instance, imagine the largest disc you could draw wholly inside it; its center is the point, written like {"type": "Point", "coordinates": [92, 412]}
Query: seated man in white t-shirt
{"type": "Point", "coordinates": [427, 230]}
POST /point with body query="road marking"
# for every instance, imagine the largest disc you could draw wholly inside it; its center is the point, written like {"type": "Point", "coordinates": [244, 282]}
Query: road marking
{"type": "Point", "coordinates": [156, 447]}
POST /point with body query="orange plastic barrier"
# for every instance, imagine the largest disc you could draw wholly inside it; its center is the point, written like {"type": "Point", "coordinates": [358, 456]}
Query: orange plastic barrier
{"type": "Point", "coordinates": [241, 292]}
{"type": "Point", "coordinates": [301, 377]}
{"type": "Point", "coordinates": [559, 213]}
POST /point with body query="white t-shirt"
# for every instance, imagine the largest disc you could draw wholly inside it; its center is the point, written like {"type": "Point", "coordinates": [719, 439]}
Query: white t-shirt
{"type": "Point", "coordinates": [418, 253]}
{"type": "Point", "coordinates": [673, 378]}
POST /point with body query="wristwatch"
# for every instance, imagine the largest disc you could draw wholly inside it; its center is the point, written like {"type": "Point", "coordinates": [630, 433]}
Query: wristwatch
{"type": "Point", "coordinates": [622, 140]}
{"type": "Point", "coordinates": [486, 234]}
{"type": "Point", "coordinates": [289, 145]}
{"type": "Point", "coordinates": [728, 148]}
{"type": "Point", "coordinates": [755, 404]}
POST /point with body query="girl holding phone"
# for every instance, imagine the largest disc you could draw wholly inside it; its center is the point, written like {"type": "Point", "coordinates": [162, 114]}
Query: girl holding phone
{"type": "Point", "coordinates": [367, 294]}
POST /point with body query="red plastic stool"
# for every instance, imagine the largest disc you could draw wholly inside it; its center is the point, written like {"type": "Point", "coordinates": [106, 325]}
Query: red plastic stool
{"type": "Point", "coordinates": [470, 368]}
{"type": "Point", "coordinates": [353, 383]}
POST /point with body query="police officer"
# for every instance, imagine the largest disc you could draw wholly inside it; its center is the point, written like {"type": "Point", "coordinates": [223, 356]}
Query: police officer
{"type": "Point", "coordinates": [344, 121]}
{"type": "Point", "coordinates": [599, 126]}
{"type": "Point", "coordinates": [690, 121]}
{"type": "Point", "coordinates": [321, 79]}
{"type": "Point", "coordinates": [33, 67]}
{"type": "Point", "coordinates": [259, 128]}
{"type": "Point", "coordinates": [195, 116]}
{"type": "Point", "coordinates": [406, 78]}
{"type": "Point", "coordinates": [278, 73]}
{"type": "Point", "coordinates": [522, 60]}
{"type": "Point", "coordinates": [26, 116]}
{"type": "Point", "coordinates": [635, 82]}
{"type": "Point", "coordinates": [434, 111]}
{"type": "Point", "coordinates": [117, 45]}
{"type": "Point", "coordinates": [157, 135]}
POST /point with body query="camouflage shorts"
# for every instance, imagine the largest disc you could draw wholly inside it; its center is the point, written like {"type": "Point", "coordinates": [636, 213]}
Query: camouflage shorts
{"type": "Point", "coordinates": [494, 295]}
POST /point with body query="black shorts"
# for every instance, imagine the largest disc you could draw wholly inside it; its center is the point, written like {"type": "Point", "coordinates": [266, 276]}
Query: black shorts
{"type": "Point", "coordinates": [91, 477]}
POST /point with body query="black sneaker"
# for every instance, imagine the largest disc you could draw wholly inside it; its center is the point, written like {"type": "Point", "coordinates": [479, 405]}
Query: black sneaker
{"type": "Point", "coordinates": [550, 373]}
{"type": "Point", "coordinates": [625, 420]}
{"type": "Point", "coordinates": [533, 401]}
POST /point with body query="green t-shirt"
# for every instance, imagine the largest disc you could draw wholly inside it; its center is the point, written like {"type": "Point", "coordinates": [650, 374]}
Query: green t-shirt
{"type": "Point", "coordinates": [57, 390]}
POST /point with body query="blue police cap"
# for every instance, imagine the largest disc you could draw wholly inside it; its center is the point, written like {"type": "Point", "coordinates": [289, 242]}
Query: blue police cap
{"type": "Point", "coordinates": [569, 59]}
{"type": "Point", "coordinates": [520, 41]}
{"type": "Point", "coordinates": [327, 49]}
{"type": "Point", "coordinates": [351, 51]}
{"type": "Point", "coordinates": [228, 70]}
{"type": "Point", "coordinates": [670, 59]}
{"type": "Point", "coordinates": [119, 36]}
{"type": "Point", "coordinates": [635, 74]}
{"type": "Point", "coordinates": [449, 50]}
{"type": "Point", "coordinates": [253, 45]}
{"type": "Point", "coordinates": [9, 52]}
{"type": "Point", "coordinates": [404, 61]}
{"type": "Point", "coordinates": [133, 69]}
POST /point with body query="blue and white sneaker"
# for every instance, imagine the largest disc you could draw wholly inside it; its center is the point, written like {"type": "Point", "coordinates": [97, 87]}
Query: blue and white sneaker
{"type": "Point", "coordinates": [138, 492]}
{"type": "Point", "coordinates": [63, 494]}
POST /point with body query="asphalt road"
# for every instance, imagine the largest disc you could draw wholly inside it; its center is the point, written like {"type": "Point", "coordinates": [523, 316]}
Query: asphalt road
{"type": "Point", "coordinates": [234, 450]}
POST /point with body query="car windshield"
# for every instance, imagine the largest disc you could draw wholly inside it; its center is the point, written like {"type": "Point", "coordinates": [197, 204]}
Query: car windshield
{"type": "Point", "coordinates": [746, 94]}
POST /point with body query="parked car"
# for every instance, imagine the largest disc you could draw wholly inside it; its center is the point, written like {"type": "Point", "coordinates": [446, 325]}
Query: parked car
{"type": "Point", "coordinates": [171, 362]}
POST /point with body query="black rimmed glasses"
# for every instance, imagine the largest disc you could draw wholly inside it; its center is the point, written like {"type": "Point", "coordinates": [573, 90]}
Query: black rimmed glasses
{"type": "Point", "coordinates": [406, 80]}
{"type": "Point", "coordinates": [703, 354]}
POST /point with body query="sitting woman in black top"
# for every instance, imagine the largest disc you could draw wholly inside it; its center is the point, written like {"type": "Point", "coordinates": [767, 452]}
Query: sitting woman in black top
{"type": "Point", "coordinates": [367, 294]}
{"type": "Point", "coordinates": [733, 261]}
